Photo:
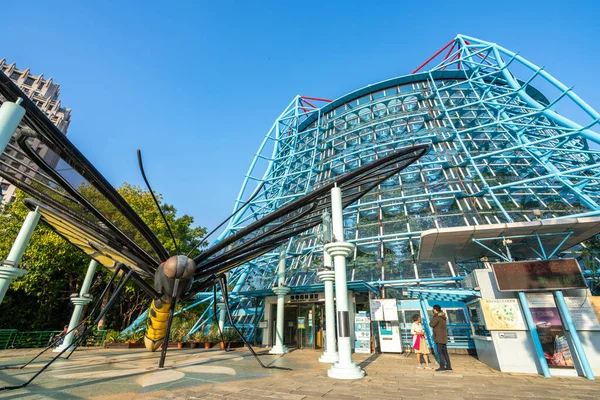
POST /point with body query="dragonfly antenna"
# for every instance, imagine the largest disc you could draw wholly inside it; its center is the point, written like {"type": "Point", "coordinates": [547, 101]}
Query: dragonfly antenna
{"type": "Point", "coordinates": [139, 154]}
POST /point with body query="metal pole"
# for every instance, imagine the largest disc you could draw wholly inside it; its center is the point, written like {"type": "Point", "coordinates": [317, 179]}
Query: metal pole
{"type": "Point", "coordinates": [534, 335]}
{"type": "Point", "coordinates": [339, 250]}
{"type": "Point", "coordinates": [11, 115]}
{"type": "Point", "coordinates": [428, 329]}
{"type": "Point", "coordinates": [9, 269]}
{"type": "Point", "coordinates": [564, 311]}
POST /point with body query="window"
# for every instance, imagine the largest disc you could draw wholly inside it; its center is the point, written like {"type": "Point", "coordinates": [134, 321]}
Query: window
{"type": "Point", "coordinates": [456, 316]}
{"type": "Point", "coordinates": [15, 75]}
{"type": "Point", "coordinates": [29, 81]}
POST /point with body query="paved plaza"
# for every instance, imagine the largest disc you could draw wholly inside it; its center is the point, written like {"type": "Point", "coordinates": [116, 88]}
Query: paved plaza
{"type": "Point", "coordinates": [214, 374]}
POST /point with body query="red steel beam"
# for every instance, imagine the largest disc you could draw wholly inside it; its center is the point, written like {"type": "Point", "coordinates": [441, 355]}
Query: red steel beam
{"type": "Point", "coordinates": [432, 57]}
{"type": "Point", "coordinates": [316, 99]}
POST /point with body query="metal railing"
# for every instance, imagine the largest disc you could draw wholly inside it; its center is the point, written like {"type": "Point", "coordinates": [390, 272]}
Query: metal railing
{"type": "Point", "coordinates": [459, 336]}
{"type": "Point", "coordinates": [14, 339]}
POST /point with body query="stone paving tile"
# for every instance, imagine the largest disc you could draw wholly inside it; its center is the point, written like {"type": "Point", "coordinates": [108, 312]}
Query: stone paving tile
{"type": "Point", "coordinates": [128, 374]}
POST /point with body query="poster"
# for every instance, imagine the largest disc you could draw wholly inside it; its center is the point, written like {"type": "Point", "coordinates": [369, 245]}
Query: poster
{"type": "Point", "coordinates": [595, 304]}
{"type": "Point", "coordinates": [585, 317]}
{"type": "Point", "coordinates": [583, 314]}
{"type": "Point", "coordinates": [502, 315]}
{"type": "Point", "coordinates": [301, 322]}
{"type": "Point", "coordinates": [362, 332]}
{"type": "Point", "coordinates": [384, 310]}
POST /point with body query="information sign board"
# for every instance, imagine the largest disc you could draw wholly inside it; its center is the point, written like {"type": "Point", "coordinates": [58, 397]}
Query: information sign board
{"type": "Point", "coordinates": [362, 331]}
{"type": "Point", "coordinates": [384, 310]}
{"type": "Point", "coordinates": [538, 275]}
{"type": "Point", "coordinates": [502, 314]}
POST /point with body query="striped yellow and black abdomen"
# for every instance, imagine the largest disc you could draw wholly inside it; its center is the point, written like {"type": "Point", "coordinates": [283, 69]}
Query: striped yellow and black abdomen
{"type": "Point", "coordinates": [156, 324]}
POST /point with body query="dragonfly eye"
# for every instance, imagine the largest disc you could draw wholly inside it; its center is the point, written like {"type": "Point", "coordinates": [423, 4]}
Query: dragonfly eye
{"type": "Point", "coordinates": [179, 267]}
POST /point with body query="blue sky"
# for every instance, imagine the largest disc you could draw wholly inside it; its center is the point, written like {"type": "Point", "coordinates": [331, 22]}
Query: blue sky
{"type": "Point", "coordinates": [198, 84]}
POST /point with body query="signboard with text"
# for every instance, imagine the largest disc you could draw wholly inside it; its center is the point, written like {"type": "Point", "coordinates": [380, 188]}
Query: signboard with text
{"type": "Point", "coordinates": [537, 275]}
{"type": "Point", "coordinates": [502, 314]}
{"type": "Point", "coordinates": [384, 310]}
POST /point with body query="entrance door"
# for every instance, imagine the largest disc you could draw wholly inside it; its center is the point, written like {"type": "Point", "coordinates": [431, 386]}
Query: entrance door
{"type": "Point", "coordinates": [289, 326]}
{"type": "Point", "coordinates": [310, 326]}
{"type": "Point", "coordinates": [306, 326]}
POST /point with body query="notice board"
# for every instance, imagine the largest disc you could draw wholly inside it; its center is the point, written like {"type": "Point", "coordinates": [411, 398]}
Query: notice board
{"type": "Point", "coordinates": [538, 275]}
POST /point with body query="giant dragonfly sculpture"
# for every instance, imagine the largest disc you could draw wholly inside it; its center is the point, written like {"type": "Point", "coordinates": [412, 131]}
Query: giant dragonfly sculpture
{"type": "Point", "coordinates": [69, 203]}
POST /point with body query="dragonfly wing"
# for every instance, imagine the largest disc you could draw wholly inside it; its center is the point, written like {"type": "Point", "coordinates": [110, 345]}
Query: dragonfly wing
{"type": "Point", "coordinates": [42, 162]}
{"type": "Point", "coordinates": [300, 215]}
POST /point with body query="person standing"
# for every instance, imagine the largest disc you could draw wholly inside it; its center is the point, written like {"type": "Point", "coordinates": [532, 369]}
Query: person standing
{"type": "Point", "coordinates": [440, 337]}
{"type": "Point", "coordinates": [419, 343]}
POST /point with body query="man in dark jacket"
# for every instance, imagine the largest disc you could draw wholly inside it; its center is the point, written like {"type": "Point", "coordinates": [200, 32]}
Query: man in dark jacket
{"type": "Point", "coordinates": [440, 337]}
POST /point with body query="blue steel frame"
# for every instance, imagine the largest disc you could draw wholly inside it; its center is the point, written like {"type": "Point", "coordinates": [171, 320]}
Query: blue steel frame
{"type": "Point", "coordinates": [499, 151]}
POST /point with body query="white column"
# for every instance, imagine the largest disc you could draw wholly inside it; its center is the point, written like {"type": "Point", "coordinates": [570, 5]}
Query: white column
{"type": "Point", "coordinates": [279, 347]}
{"type": "Point", "coordinates": [339, 250]}
{"type": "Point", "coordinates": [9, 269]}
{"type": "Point", "coordinates": [11, 115]}
{"type": "Point", "coordinates": [330, 354]}
{"type": "Point", "coordinates": [281, 290]}
{"type": "Point", "coordinates": [79, 302]}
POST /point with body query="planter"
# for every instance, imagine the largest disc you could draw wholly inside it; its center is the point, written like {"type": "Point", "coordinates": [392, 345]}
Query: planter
{"type": "Point", "coordinates": [180, 345]}
{"type": "Point", "coordinates": [222, 345]}
{"type": "Point", "coordinates": [124, 345]}
{"type": "Point", "coordinates": [207, 345]}
{"type": "Point", "coordinates": [193, 345]}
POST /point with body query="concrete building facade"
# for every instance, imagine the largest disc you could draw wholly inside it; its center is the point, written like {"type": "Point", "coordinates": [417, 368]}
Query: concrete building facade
{"type": "Point", "coordinates": [45, 93]}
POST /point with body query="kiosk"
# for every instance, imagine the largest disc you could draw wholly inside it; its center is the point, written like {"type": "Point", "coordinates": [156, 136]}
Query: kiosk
{"type": "Point", "coordinates": [535, 315]}
{"type": "Point", "coordinates": [555, 333]}
{"type": "Point", "coordinates": [385, 313]}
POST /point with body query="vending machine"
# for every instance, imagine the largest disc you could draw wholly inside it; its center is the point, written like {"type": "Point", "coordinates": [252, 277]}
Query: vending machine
{"type": "Point", "coordinates": [385, 313]}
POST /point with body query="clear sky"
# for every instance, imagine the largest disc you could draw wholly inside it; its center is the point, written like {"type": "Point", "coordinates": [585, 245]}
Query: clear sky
{"type": "Point", "coordinates": [196, 85]}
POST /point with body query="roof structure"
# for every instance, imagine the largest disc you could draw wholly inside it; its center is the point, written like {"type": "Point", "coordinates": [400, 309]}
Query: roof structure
{"type": "Point", "coordinates": [465, 242]}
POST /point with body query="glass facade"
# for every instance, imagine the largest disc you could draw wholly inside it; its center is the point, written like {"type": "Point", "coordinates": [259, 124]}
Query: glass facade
{"type": "Point", "coordinates": [498, 154]}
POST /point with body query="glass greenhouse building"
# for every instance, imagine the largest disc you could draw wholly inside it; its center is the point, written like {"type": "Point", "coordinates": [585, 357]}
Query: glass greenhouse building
{"type": "Point", "coordinates": [499, 152]}
{"type": "Point", "coordinates": [502, 150]}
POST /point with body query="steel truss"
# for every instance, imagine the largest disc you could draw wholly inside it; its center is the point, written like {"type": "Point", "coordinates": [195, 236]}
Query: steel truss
{"type": "Point", "coordinates": [499, 152]}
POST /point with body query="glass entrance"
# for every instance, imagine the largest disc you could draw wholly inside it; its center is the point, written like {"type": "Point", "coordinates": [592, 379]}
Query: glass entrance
{"type": "Point", "coordinates": [289, 326]}
{"type": "Point", "coordinates": [310, 326]}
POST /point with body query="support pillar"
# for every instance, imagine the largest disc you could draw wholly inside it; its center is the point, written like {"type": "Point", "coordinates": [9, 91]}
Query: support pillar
{"type": "Point", "coordinates": [281, 290]}
{"type": "Point", "coordinates": [79, 302]}
{"type": "Point", "coordinates": [330, 355]}
{"type": "Point", "coordinates": [428, 329]}
{"type": "Point", "coordinates": [564, 311]}
{"type": "Point", "coordinates": [279, 347]}
{"type": "Point", "coordinates": [344, 368]}
{"type": "Point", "coordinates": [11, 115]}
{"type": "Point", "coordinates": [534, 335]}
{"type": "Point", "coordinates": [9, 269]}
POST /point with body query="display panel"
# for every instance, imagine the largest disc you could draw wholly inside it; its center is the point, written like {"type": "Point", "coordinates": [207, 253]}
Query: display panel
{"type": "Point", "coordinates": [534, 275]}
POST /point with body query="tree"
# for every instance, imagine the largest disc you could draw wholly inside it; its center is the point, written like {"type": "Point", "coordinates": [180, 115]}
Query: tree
{"type": "Point", "coordinates": [590, 256]}
{"type": "Point", "coordinates": [40, 300]}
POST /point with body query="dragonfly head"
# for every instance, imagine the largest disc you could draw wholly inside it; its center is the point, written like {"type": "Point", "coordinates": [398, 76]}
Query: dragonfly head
{"type": "Point", "coordinates": [179, 267]}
